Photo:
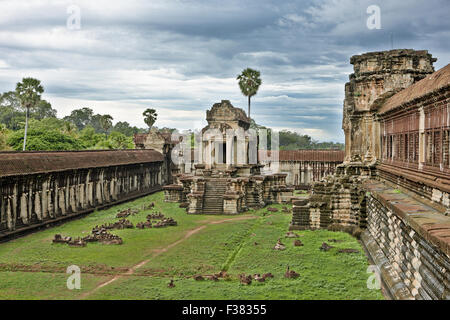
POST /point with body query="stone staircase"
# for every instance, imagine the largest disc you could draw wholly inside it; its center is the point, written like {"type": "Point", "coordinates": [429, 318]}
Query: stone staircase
{"type": "Point", "coordinates": [213, 199]}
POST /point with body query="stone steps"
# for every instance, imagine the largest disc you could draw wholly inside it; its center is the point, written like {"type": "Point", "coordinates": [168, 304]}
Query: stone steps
{"type": "Point", "coordinates": [213, 198]}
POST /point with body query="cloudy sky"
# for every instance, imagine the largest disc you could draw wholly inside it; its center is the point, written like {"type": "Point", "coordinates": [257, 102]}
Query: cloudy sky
{"type": "Point", "coordinates": [181, 56]}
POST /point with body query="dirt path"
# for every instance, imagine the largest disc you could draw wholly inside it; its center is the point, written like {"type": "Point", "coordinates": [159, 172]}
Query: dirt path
{"type": "Point", "coordinates": [157, 252]}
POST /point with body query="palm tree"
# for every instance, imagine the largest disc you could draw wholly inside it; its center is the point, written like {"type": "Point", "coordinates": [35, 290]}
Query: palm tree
{"type": "Point", "coordinates": [150, 117]}
{"type": "Point", "coordinates": [29, 93]}
{"type": "Point", "coordinates": [249, 82]}
{"type": "Point", "coordinates": [106, 122]}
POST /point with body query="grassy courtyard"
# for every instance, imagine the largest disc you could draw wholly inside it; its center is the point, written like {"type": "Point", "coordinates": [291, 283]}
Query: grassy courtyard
{"type": "Point", "coordinates": [32, 267]}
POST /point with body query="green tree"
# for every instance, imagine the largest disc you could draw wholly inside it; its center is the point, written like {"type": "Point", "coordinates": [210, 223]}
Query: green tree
{"type": "Point", "coordinates": [106, 122]}
{"type": "Point", "coordinates": [12, 115]}
{"type": "Point", "coordinates": [69, 128]}
{"type": "Point", "coordinates": [249, 82]}
{"type": "Point", "coordinates": [89, 138]}
{"type": "Point", "coordinates": [29, 93]}
{"type": "Point", "coordinates": [125, 128]}
{"type": "Point", "coordinates": [44, 139]}
{"type": "Point", "coordinates": [121, 141]}
{"type": "Point", "coordinates": [3, 137]}
{"type": "Point", "coordinates": [43, 110]}
{"type": "Point", "coordinates": [150, 117]}
{"type": "Point", "coordinates": [81, 117]}
{"type": "Point", "coordinates": [116, 140]}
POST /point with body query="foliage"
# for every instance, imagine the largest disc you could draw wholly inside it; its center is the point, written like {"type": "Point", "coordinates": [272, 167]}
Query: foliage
{"type": "Point", "coordinates": [90, 138]}
{"type": "Point", "coordinates": [249, 82]}
{"type": "Point", "coordinates": [84, 117]}
{"type": "Point", "coordinates": [293, 141]}
{"type": "Point", "coordinates": [12, 114]}
{"type": "Point", "coordinates": [115, 140]}
{"type": "Point", "coordinates": [150, 117]}
{"type": "Point", "coordinates": [3, 137]}
{"type": "Point", "coordinates": [44, 139]}
{"type": "Point", "coordinates": [125, 128]}
{"type": "Point", "coordinates": [106, 122]}
{"type": "Point", "coordinates": [80, 117]}
{"type": "Point", "coordinates": [29, 92]}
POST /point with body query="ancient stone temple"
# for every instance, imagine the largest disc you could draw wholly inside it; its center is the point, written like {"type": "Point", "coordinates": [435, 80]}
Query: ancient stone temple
{"type": "Point", "coordinates": [38, 188]}
{"type": "Point", "coordinates": [227, 175]}
{"type": "Point", "coordinates": [393, 188]}
{"type": "Point", "coordinates": [161, 142]}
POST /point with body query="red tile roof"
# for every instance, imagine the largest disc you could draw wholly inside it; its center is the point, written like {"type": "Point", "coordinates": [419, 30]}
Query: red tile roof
{"type": "Point", "coordinates": [430, 83]}
{"type": "Point", "coordinates": [306, 155]}
{"type": "Point", "coordinates": [30, 162]}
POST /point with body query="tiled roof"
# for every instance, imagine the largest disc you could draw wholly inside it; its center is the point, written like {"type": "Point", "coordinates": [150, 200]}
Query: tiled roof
{"type": "Point", "coordinates": [30, 162]}
{"type": "Point", "coordinates": [306, 155]}
{"type": "Point", "coordinates": [431, 83]}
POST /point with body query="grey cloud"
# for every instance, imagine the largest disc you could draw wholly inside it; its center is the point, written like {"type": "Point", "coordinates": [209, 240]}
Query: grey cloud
{"type": "Point", "coordinates": [185, 54]}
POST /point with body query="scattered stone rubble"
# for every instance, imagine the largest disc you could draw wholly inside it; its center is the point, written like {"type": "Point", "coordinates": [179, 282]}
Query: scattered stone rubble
{"type": "Point", "coordinates": [126, 213]}
{"type": "Point", "coordinates": [78, 242]}
{"type": "Point", "coordinates": [121, 224]}
{"type": "Point", "coordinates": [155, 216]}
{"type": "Point", "coordinates": [101, 233]}
{"type": "Point", "coordinates": [143, 225]}
{"type": "Point", "coordinates": [165, 223]}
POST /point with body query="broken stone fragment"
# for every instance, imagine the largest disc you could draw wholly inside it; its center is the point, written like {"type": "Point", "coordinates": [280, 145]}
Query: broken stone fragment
{"type": "Point", "coordinates": [325, 247]}
{"type": "Point", "coordinates": [247, 280]}
{"type": "Point", "coordinates": [60, 239]}
{"type": "Point", "coordinates": [291, 274]}
{"type": "Point", "coordinates": [267, 275]}
{"type": "Point", "coordinates": [279, 245]}
{"type": "Point", "coordinates": [77, 243]}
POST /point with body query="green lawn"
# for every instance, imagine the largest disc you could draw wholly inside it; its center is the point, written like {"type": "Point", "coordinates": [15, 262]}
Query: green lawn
{"type": "Point", "coordinates": [33, 268]}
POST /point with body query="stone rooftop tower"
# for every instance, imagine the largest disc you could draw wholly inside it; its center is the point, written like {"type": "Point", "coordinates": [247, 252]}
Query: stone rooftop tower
{"type": "Point", "coordinates": [224, 142]}
{"type": "Point", "coordinates": [377, 76]}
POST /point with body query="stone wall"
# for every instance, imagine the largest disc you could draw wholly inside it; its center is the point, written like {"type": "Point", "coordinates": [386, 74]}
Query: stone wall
{"type": "Point", "coordinates": [394, 182]}
{"type": "Point", "coordinates": [377, 76]}
{"type": "Point", "coordinates": [409, 242]}
{"type": "Point", "coordinates": [38, 188]}
{"type": "Point", "coordinates": [302, 167]}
